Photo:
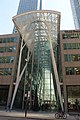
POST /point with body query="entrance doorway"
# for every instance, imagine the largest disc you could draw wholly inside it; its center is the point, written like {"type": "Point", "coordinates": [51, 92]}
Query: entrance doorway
{"type": "Point", "coordinates": [3, 94]}
{"type": "Point", "coordinates": [73, 98]}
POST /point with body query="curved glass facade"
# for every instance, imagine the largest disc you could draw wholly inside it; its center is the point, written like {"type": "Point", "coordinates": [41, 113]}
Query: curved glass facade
{"type": "Point", "coordinates": [37, 29]}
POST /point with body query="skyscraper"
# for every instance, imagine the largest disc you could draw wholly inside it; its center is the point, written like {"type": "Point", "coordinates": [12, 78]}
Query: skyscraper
{"type": "Point", "coordinates": [75, 5]}
{"type": "Point", "coordinates": [27, 5]}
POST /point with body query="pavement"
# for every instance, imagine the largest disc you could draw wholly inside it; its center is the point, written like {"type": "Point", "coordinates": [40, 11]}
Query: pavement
{"type": "Point", "coordinates": [41, 115]}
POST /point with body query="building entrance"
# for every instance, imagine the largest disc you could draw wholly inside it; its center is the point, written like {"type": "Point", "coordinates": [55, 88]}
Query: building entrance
{"type": "Point", "coordinates": [3, 94]}
{"type": "Point", "coordinates": [73, 98]}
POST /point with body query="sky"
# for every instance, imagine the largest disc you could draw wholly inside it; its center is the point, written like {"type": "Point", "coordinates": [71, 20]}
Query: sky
{"type": "Point", "coordinates": [8, 9]}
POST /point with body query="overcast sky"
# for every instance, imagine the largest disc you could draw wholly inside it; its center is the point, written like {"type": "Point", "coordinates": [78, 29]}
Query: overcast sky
{"type": "Point", "coordinates": [8, 8]}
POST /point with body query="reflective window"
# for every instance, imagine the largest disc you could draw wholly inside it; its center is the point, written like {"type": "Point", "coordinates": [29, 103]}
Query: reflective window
{"type": "Point", "coordinates": [70, 36]}
{"type": "Point", "coordinates": [2, 49]}
{"type": "Point", "coordinates": [8, 49]}
{"type": "Point", "coordinates": [7, 40]}
{"type": "Point", "coordinates": [7, 59]}
{"type": "Point", "coordinates": [5, 71]}
{"type": "Point", "coordinates": [71, 57]}
{"type": "Point", "coordinates": [67, 46]}
{"type": "Point", "coordinates": [72, 70]}
{"type": "Point", "coordinates": [11, 59]}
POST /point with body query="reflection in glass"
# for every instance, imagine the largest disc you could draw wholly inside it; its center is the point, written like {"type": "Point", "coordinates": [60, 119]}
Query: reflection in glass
{"type": "Point", "coordinates": [8, 49]}
{"type": "Point", "coordinates": [8, 40]}
{"type": "Point", "coordinates": [7, 59]}
{"type": "Point", "coordinates": [71, 57]}
{"type": "Point", "coordinates": [72, 70]}
{"type": "Point", "coordinates": [5, 71]}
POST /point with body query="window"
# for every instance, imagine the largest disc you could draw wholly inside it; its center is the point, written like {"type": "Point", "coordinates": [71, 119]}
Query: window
{"type": "Point", "coordinates": [7, 40]}
{"type": "Point", "coordinates": [2, 49]}
{"type": "Point", "coordinates": [7, 59]}
{"type": "Point", "coordinates": [67, 46]}
{"type": "Point", "coordinates": [8, 49]}
{"type": "Point", "coordinates": [5, 71]}
{"type": "Point", "coordinates": [70, 36]}
{"type": "Point", "coordinates": [11, 59]}
{"type": "Point", "coordinates": [72, 70]}
{"type": "Point", "coordinates": [71, 57]}
{"type": "Point", "coordinates": [69, 71]}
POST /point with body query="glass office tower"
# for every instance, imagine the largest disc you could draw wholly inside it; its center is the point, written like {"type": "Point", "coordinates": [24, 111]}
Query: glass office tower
{"type": "Point", "coordinates": [27, 5]}
{"type": "Point", "coordinates": [75, 5]}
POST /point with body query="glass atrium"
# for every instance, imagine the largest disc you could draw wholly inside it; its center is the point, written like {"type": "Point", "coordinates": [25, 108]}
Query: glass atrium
{"type": "Point", "coordinates": [39, 31]}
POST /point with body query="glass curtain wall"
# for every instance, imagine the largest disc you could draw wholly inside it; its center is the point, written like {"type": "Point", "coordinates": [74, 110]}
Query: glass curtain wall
{"type": "Point", "coordinates": [40, 68]}
{"type": "Point", "coordinates": [36, 27]}
{"type": "Point", "coordinates": [42, 74]}
{"type": "Point", "coordinates": [73, 98]}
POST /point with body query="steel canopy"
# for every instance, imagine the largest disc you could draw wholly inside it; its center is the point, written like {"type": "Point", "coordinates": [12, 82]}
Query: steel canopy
{"type": "Point", "coordinates": [34, 25]}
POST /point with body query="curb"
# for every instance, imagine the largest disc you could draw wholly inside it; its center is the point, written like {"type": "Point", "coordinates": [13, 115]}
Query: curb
{"type": "Point", "coordinates": [33, 118]}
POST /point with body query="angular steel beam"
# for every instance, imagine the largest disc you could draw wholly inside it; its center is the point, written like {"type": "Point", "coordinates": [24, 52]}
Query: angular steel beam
{"type": "Point", "coordinates": [19, 76]}
{"type": "Point", "coordinates": [55, 68]}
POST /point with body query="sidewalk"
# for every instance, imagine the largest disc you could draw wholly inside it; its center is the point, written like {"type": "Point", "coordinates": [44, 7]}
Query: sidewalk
{"type": "Point", "coordinates": [32, 115]}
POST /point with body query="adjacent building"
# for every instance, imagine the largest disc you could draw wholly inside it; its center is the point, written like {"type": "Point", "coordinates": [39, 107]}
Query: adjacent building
{"type": "Point", "coordinates": [9, 45]}
{"type": "Point", "coordinates": [75, 5]}
{"type": "Point", "coordinates": [70, 59]}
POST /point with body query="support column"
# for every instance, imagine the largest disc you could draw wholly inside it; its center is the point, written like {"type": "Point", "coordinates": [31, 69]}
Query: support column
{"type": "Point", "coordinates": [18, 81]}
{"type": "Point", "coordinates": [18, 73]}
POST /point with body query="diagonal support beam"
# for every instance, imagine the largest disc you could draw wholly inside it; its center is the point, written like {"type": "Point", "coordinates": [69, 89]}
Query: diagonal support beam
{"type": "Point", "coordinates": [55, 71]}
{"type": "Point", "coordinates": [19, 76]}
{"type": "Point", "coordinates": [56, 76]}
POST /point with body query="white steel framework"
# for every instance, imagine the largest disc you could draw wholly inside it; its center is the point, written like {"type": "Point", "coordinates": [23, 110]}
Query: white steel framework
{"type": "Point", "coordinates": [39, 30]}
